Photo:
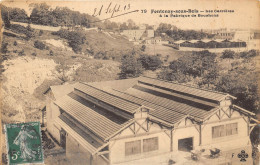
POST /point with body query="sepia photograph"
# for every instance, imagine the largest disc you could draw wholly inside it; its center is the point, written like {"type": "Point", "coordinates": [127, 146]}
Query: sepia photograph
{"type": "Point", "coordinates": [130, 82]}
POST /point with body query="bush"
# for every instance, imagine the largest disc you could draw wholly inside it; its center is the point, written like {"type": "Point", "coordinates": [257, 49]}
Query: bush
{"type": "Point", "coordinates": [143, 48]}
{"type": "Point", "coordinates": [29, 32]}
{"type": "Point", "coordinates": [51, 53]}
{"type": "Point", "coordinates": [21, 53]}
{"type": "Point", "coordinates": [150, 62]}
{"type": "Point", "coordinates": [75, 38]}
{"type": "Point", "coordinates": [18, 28]}
{"type": "Point", "coordinates": [40, 33]}
{"type": "Point", "coordinates": [130, 66]}
{"type": "Point", "coordinates": [39, 45]}
{"type": "Point", "coordinates": [15, 43]}
{"type": "Point", "coordinates": [34, 54]}
{"type": "Point", "coordinates": [228, 54]}
{"type": "Point", "coordinates": [248, 54]}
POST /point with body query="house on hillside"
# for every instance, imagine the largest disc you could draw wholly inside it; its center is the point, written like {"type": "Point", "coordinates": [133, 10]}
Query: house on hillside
{"type": "Point", "coordinates": [115, 122]}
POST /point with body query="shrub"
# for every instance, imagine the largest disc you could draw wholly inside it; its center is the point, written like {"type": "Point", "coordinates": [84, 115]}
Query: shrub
{"type": "Point", "coordinates": [29, 32]}
{"type": "Point", "coordinates": [228, 54]}
{"type": "Point", "coordinates": [75, 38]}
{"type": "Point", "coordinates": [21, 53]}
{"type": "Point", "coordinates": [150, 62]}
{"type": "Point", "coordinates": [130, 66]}
{"type": "Point", "coordinates": [34, 54]}
{"type": "Point", "coordinates": [248, 54]}
{"type": "Point", "coordinates": [18, 28]}
{"type": "Point", "coordinates": [143, 48]}
{"type": "Point", "coordinates": [40, 32]}
{"type": "Point", "coordinates": [51, 53]}
{"type": "Point", "coordinates": [15, 43]}
{"type": "Point", "coordinates": [39, 45]}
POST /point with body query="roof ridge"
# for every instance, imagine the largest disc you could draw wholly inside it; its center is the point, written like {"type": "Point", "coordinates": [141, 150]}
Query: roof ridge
{"type": "Point", "coordinates": [147, 101]}
{"type": "Point", "coordinates": [204, 89]}
{"type": "Point", "coordinates": [108, 93]}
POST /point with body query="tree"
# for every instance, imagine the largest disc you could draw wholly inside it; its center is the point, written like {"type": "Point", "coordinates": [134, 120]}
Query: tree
{"type": "Point", "coordinates": [130, 66]}
{"type": "Point", "coordinates": [29, 32]}
{"type": "Point", "coordinates": [123, 26]}
{"type": "Point", "coordinates": [150, 62]}
{"type": "Point", "coordinates": [39, 45]}
{"type": "Point", "coordinates": [228, 54]}
{"type": "Point", "coordinates": [5, 16]}
{"type": "Point", "coordinates": [196, 65]}
{"type": "Point", "coordinates": [18, 15]}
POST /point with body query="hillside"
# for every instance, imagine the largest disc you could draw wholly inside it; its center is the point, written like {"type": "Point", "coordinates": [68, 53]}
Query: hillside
{"type": "Point", "coordinates": [26, 69]}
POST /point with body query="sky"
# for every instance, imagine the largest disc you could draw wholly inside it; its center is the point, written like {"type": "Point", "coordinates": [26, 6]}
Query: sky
{"type": "Point", "coordinates": [246, 13]}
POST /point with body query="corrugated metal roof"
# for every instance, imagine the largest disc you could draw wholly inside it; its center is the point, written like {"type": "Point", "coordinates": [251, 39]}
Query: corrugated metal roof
{"type": "Point", "coordinates": [99, 124]}
{"type": "Point", "coordinates": [107, 98]}
{"type": "Point", "coordinates": [157, 111]}
{"type": "Point", "coordinates": [81, 130]}
{"type": "Point", "coordinates": [75, 135]}
{"type": "Point", "coordinates": [182, 89]}
{"type": "Point", "coordinates": [170, 104]}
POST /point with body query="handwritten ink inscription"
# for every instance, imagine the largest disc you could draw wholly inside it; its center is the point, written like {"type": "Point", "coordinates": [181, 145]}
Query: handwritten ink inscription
{"type": "Point", "coordinates": [112, 9]}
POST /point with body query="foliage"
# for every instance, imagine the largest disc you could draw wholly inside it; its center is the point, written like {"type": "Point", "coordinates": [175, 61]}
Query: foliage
{"type": "Point", "coordinates": [18, 15]}
{"type": "Point", "coordinates": [15, 43]}
{"type": "Point", "coordinates": [75, 38]}
{"type": "Point", "coordinates": [21, 53]}
{"type": "Point", "coordinates": [248, 54]}
{"type": "Point", "coordinates": [60, 16]}
{"type": "Point", "coordinates": [143, 48]}
{"type": "Point", "coordinates": [40, 32]}
{"type": "Point", "coordinates": [178, 34]}
{"type": "Point", "coordinates": [130, 66]}
{"type": "Point", "coordinates": [18, 28]}
{"type": "Point", "coordinates": [241, 82]}
{"type": "Point", "coordinates": [5, 15]}
{"type": "Point", "coordinates": [4, 48]}
{"type": "Point", "coordinates": [228, 54]}
{"type": "Point", "coordinates": [39, 45]}
{"type": "Point", "coordinates": [29, 32]}
{"type": "Point", "coordinates": [195, 65]}
{"type": "Point", "coordinates": [150, 62]}
{"type": "Point", "coordinates": [51, 53]}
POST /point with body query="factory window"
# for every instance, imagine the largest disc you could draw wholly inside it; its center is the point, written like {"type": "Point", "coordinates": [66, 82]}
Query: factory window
{"type": "Point", "coordinates": [150, 144]}
{"type": "Point", "coordinates": [133, 147]}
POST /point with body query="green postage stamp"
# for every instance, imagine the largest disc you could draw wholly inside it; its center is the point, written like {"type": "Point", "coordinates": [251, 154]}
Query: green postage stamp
{"type": "Point", "coordinates": [24, 144]}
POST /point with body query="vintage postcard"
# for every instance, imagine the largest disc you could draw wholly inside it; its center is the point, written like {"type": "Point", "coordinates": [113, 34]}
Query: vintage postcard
{"type": "Point", "coordinates": [130, 82]}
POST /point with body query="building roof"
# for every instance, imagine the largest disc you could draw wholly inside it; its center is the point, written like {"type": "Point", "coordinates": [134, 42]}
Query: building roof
{"type": "Point", "coordinates": [100, 124]}
{"type": "Point", "coordinates": [107, 98]}
{"type": "Point", "coordinates": [92, 109]}
{"type": "Point", "coordinates": [61, 90]}
{"type": "Point", "coordinates": [184, 89]}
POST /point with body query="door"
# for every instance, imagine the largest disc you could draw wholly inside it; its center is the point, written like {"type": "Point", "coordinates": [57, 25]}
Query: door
{"type": "Point", "coordinates": [185, 144]}
{"type": "Point", "coordinates": [63, 138]}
